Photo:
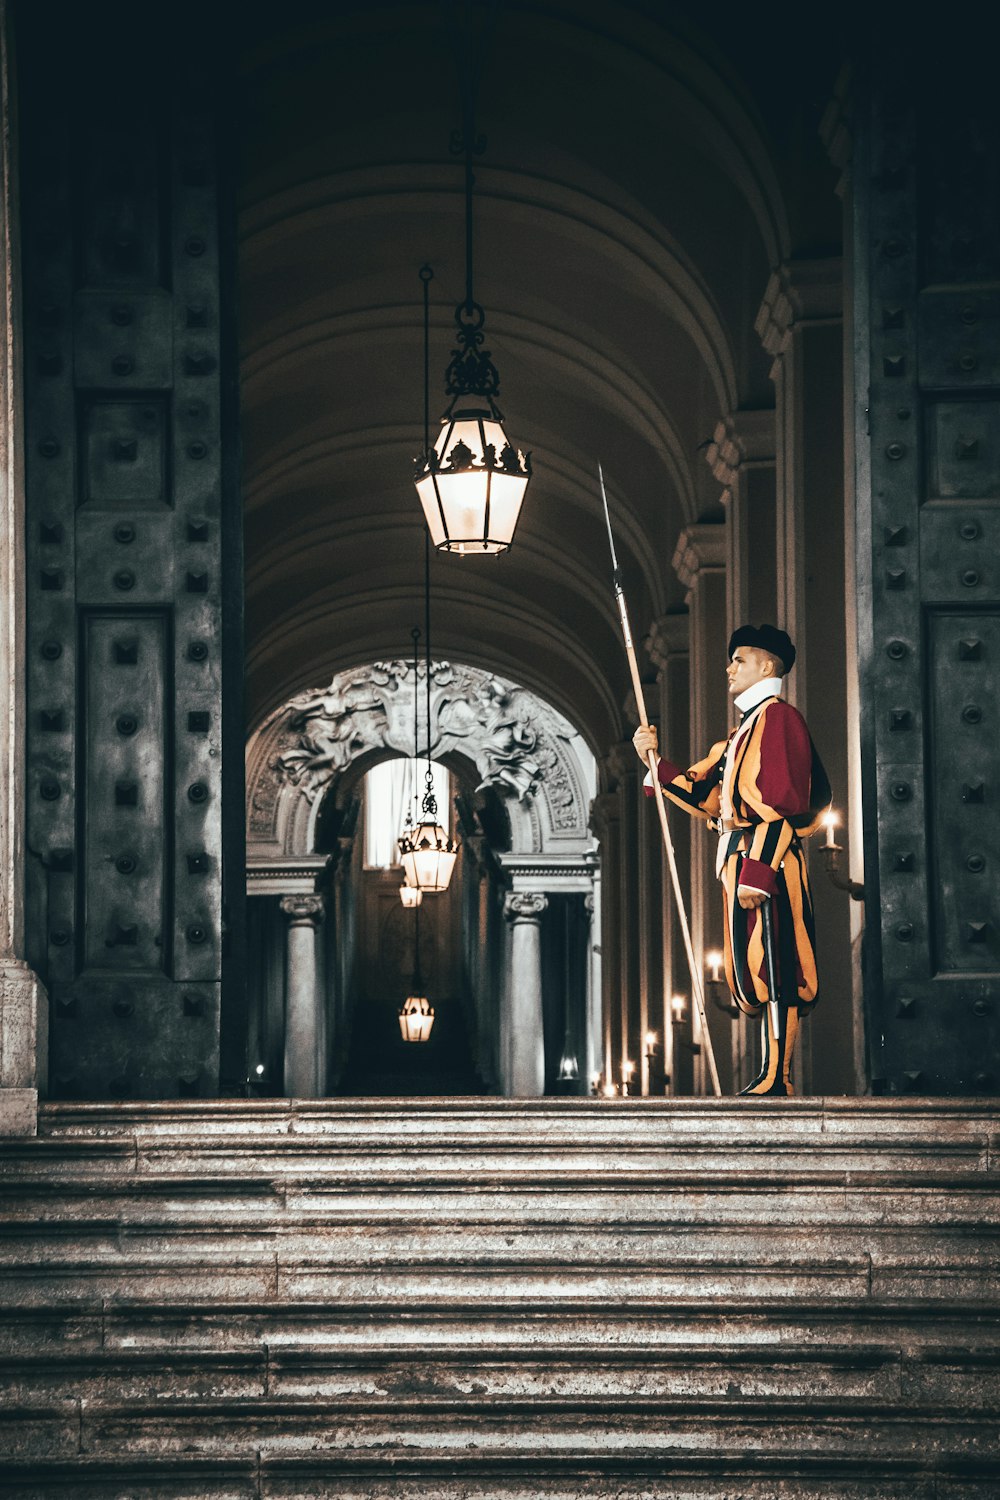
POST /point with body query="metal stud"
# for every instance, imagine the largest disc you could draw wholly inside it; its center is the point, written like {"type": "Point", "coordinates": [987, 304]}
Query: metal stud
{"type": "Point", "coordinates": [197, 864]}
{"type": "Point", "coordinates": [966, 448]}
{"type": "Point", "coordinates": [968, 361]}
{"type": "Point", "coordinates": [198, 722]}
{"type": "Point", "coordinates": [198, 792]}
{"type": "Point", "coordinates": [126, 794]}
{"type": "Point", "coordinates": [126, 864]}
{"type": "Point", "coordinates": [197, 651]}
{"type": "Point", "coordinates": [49, 789]}
{"type": "Point", "coordinates": [196, 315]}
{"type": "Point", "coordinates": [901, 791]}
{"type": "Point", "coordinates": [197, 450]}
{"type": "Point", "coordinates": [126, 653]}
{"type": "Point", "coordinates": [976, 864]}
{"type": "Point", "coordinates": [122, 936]}
{"type": "Point", "coordinates": [60, 861]}
{"type": "Point", "coordinates": [970, 578]}
{"type": "Point", "coordinates": [905, 1008]}
{"type": "Point", "coordinates": [193, 1005]}
{"type": "Point", "coordinates": [977, 932]}
{"type": "Point", "coordinates": [197, 530]}
{"type": "Point", "coordinates": [900, 718]}
{"type": "Point", "coordinates": [124, 579]}
{"type": "Point", "coordinates": [124, 533]}
{"type": "Point", "coordinates": [894, 365]}
{"type": "Point", "coordinates": [50, 532]}
{"type": "Point", "coordinates": [896, 536]}
{"type": "Point", "coordinates": [197, 583]}
{"type": "Point", "coordinates": [122, 364]}
{"type": "Point", "coordinates": [972, 714]}
{"type": "Point", "coordinates": [198, 364]}
{"type": "Point", "coordinates": [904, 932]}
{"type": "Point", "coordinates": [52, 579]}
{"type": "Point", "coordinates": [52, 720]}
{"type": "Point", "coordinates": [970, 531]}
{"type": "Point", "coordinates": [896, 650]}
{"type": "Point", "coordinates": [895, 578]}
{"type": "Point", "coordinates": [123, 1009]}
{"type": "Point", "coordinates": [903, 863]}
{"type": "Point", "coordinates": [974, 792]}
{"type": "Point", "coordinates": [970, 650]}
{"type": "Point", "coordinates": [893, 317]}
{"type": "Point", "coordinates": [127, 724]}
{"type": "Point", "coordinates": [895, 450]}
{"type": "Point", "coordinates": [195, 933]}
{"type": "Point", "coordinates": [125, 450]}
{"type": "Point", "coordinates": [49, 447]}
{"type": "Point", "coordinates": [52, 650]}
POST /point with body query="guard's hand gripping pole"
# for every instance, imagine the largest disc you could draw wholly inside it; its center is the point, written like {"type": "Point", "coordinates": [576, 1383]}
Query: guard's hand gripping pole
{"type": "Point", "coordinates": [697, 988]}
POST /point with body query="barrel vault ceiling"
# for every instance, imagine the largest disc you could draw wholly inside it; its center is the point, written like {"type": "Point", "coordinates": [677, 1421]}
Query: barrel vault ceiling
{"type": "Point", "coordinates": [630, 206]}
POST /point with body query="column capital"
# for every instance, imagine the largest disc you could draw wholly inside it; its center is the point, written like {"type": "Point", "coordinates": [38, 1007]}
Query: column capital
{"type": "Point", "coordinates": [741, 439]}
{"type": "Point", "coordinates": [669, 637]}
{"type": "Point", "coordinates": [799, 291]}
{"type": "Point", "coordinates": [700, 548]}
{"type": "Point", "coordinates": [303, 911]}
{"type": "Point", "coordinates": [524, 906]}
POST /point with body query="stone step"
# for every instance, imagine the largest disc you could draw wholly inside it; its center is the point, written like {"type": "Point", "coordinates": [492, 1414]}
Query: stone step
{"type": "Point", "coordinates": [355, 1374]}
{"type": "Point", "coordinates": [501, 1428]}
{"type": "Point", "coordinates": [560, 1325]}
{"type": "Point", "coordinates": [406, 1476]}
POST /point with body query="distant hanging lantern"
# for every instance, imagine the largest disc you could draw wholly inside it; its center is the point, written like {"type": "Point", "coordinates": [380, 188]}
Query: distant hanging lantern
{"type": "Point", "coordinates": [410, 895]}
{"type": "Point", "coordinates": [416, 1018]}
{"type": "Point", "coordinates": [472, 481]}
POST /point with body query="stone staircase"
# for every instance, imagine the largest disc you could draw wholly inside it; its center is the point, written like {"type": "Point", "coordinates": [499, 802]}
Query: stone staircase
{"type": "Point", "coordinates": [386, 1300]}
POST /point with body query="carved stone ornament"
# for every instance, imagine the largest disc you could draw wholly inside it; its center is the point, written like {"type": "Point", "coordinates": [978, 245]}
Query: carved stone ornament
{"type": "Point", "coordinates": [515, 741]}
{"type": "Point", "coordinates": [524, 906]}
{"type": "Point", "coordinates": [303, 911]}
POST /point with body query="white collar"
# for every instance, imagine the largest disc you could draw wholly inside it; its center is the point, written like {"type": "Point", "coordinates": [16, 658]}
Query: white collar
{"type": "Point", "coordinates": [768, 687]}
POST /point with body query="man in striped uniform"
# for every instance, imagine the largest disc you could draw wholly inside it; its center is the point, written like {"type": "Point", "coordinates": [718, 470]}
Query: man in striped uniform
{"type": "Point", "coordinates": [763, 790]}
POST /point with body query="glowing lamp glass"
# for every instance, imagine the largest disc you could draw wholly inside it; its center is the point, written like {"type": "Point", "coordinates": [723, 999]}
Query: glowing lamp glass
{"type": "Point", "coordinates": [472, 483]}
{"type": "Point", "coordinates": [416, 1019]}
{"type": "Point", "coordinates": [410, 895]}
{"type": "Point", "coordinates": [428, 857]}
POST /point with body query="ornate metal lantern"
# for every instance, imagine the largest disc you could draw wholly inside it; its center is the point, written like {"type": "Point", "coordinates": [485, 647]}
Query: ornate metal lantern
{"type": "Point", "coordinates": [428, 854]}
{"type": "Point", "coordinates": [410, 895]}
{"type": "Point", "coordinates": [416, 1018]}
{"type": "Point", "coordinates": [472, 481]}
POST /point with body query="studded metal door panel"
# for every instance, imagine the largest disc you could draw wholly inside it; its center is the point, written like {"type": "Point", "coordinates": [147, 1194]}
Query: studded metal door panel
{"type": "Point", "coordinates": [124, 567]}
{"type": "Point", "coordinates": [930, 567]}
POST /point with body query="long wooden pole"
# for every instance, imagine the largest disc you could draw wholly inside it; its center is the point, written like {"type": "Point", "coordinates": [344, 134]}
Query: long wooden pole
{"type": "Point", "coordinates": [697, 988]}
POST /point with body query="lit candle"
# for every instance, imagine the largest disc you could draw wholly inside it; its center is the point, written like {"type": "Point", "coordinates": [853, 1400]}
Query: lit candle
{"type": "Point", "coordinates": [628, 1068]}
{"type": "Point", "coordinates": [714, 962]}
{"type": "Point", "coordinates": [609, 1090]}
{"type": "Point", "coordinates": [830, 823]}
{"type": "Point", "coordinates": [678, 1006]}
{"type": "Point", "coordinates": [651, 1040]}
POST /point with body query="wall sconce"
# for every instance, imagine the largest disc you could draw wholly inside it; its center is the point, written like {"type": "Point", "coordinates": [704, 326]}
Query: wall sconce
{"type": "Point", "coordinates": [652, 1043]}
{"type": "Point", "coordinates": [678, 1010]}
{"type": "Point", "coordinates": [717, 985]}
{"type": "Point", "coordinates": [831, 855]}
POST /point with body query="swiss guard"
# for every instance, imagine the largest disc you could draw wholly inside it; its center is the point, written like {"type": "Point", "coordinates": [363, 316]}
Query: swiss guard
{"type": "Point", "coordinates": [763, 790]}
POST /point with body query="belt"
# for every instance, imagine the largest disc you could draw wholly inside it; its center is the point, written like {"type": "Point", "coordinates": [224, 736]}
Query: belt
{"type": "Point", "coordinates": [728, 825]}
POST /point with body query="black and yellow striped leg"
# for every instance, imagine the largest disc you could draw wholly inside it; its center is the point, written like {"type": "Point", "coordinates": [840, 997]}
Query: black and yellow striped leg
{"type": "Point", "coordinates": [773, 1077]}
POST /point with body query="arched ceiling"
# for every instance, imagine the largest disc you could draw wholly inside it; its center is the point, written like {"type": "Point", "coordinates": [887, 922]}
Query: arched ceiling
{"type": "Point", "coordinates": [628, 214]}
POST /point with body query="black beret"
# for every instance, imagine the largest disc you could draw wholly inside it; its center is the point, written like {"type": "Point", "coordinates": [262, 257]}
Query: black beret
{"type": "Point", "coordinates": [767, 638]}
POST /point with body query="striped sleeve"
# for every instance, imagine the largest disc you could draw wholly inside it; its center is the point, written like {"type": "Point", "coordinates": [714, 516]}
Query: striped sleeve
{"type": "Point", "coordinates": [697, 789]}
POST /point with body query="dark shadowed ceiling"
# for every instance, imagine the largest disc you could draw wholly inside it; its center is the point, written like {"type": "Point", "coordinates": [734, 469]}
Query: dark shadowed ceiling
{"type": "Point", "coordinates": [630, 206]}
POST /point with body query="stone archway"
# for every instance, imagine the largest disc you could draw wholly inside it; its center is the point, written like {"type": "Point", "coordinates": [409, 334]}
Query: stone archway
{"type": "Point", "coordinates": [305, 763]}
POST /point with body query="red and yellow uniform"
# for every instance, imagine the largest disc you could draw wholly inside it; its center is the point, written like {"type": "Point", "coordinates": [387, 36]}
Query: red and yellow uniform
{"type": "Point", "coordinates": [764, 790]}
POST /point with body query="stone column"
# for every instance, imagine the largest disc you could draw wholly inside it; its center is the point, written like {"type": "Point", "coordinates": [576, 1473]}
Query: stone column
{"type": "Point", "coordinates": [23, 1001]}
{"type": "Point", "coordinates": [741, 457]}
{"type": "Point", "coordinates": [667, 648]}
{"type": "Point", "coordinates": [700, 564]}
{"type": "Point", "coordinates": [525, 1049]}
{"type": "Point", "coordinates": [800, 325]}
{"type": "Point", "coordinates": [304, 1030]}
{"type": "Point", "coordinates": [625, 772]}
{"type": "Point", "coordinates": [605, 822]}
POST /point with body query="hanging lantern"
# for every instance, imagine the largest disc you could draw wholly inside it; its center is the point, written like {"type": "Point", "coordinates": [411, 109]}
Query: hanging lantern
{"type": "Point", "coordinates": [416, 1018]}
{"type": "Point", "coordinates": [410, 895]}
{"type": "Point", "coordinates": [472, 481]}
{"type": "Point", "coordinates": [427, 853]}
